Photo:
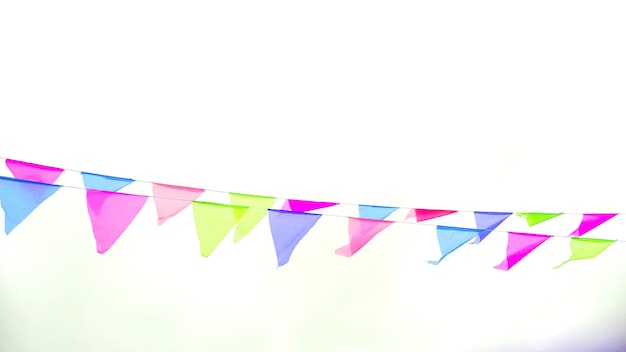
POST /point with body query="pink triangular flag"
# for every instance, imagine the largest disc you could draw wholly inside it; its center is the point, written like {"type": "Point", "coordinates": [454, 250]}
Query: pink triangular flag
{"type": "Point", "coordinates": [519, 246]}
{"type": "Point", "coordinates": [171, 200]}
{"type": "Point", "coordinates": [33, 172]}
{"type": "Point", "coordinates": [360, 232]}
{"type": "Point", "coordinates": [302, 206]}
{"type": "Point", "coordinates": [590, 222]}
{"type": "Point", "coordinates": [110, 215]}
{"type": "Point", "coordinates": [427, 214]}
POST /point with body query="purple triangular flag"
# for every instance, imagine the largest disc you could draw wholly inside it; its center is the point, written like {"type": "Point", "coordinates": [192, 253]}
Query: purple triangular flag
{"type": "Point", "coordinates": [288, 228]}
{"type": "Point", "coordinates": [488, 221]}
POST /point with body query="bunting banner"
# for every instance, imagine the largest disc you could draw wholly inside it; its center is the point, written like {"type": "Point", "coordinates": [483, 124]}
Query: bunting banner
{"type": "Point", "coordinates": [111, 212]}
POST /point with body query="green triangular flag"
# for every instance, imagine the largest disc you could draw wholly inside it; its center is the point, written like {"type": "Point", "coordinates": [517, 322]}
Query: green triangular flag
{"type": "Point", "coordinates": [536, 218]}
{"type": "Point", "coordinates": [213, 222]}
{"type": "Point", "coordinates": [586, 248]}
{"type": "Point", "coordinates": [258, 206]}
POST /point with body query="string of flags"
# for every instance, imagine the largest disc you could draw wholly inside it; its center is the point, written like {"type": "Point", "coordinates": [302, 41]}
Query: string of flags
{"type": "Point", "coordinates": [111, 212]}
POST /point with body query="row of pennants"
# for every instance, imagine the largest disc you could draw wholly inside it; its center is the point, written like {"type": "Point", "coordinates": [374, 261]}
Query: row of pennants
{"type": "Point", "coordinates": [111, 212]}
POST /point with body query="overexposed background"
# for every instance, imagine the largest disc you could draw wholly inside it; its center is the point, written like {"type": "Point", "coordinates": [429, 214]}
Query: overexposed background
{"type": "Point", "coordinates": [457, 105]}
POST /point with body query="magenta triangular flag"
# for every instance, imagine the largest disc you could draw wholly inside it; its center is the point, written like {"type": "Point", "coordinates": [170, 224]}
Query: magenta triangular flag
{"type": "Point", "coordinates": [427, 214]}
{"type": "Point", "coordinates": [360, 232]}
{"type": "Point", "coordinates": [590, 222]}
{"type": "Point", "coordinates": [171, 200]}
{"type": "Point", "coordinates": [110, 215]}
{"type": "Point", "coordinates": [33, 172]}
{"type": "Point", "coordinates": [519, 246]}
{"type": "Point", "coordinates": [302, 206]}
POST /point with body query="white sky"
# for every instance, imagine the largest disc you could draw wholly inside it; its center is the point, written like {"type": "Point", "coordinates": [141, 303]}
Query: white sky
{"type": "Point", "coordinates": [456, 105]}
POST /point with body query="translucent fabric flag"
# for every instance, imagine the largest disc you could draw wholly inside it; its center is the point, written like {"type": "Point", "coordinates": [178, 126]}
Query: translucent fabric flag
{"type": "Point", "coordinates": [427, 214]}
{"type": "Point", "coordinates": [519, 246]}
{"type": "Point", "coordinates": [104, 183]}
{"type": "Point", "coordinates": [590, 222]}
{"type": "Point", "coordinates": [451, 238]}
{"type": "Point", "coordinates": [302, 206]}
{"type": "Point", "coordinates": [586, 248]}
{"type": "Point", "coordinates": [110, 215]}
{"type": "Point", "coordinates": [257, 208]}
{"type": "Point", "coordinates": [213, 222]}
{"type": "Point", "coordinates": [375, 211]}
{"type": "Point", "coordinates": [288, 228]}
{"type": "Point", "coordinates": [171, 200]}
{"type": "Point", "coordinates": [361, 231]}
{"type": "Point", "coordinates": [488, 221]}
{"type": "Point", "coordinates": [33, 172]}
{"type": "Point", "coordinates": [19, 198]}
{"type": "Point", "coordinates": [536, 218]}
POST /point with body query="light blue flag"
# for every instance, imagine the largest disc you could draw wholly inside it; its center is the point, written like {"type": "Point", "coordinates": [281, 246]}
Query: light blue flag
{"type": "Point", "coordinates": [19, 198]}
{"type": "Point", "coordinates": [104, 183]}
{"type": "Point", "coordinates": [451, 238]}
{"type": "Point", "coordinates": [375, 211]}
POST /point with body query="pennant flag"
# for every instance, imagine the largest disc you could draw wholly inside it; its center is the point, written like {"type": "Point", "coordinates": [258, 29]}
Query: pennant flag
{"type": "Point", "coordinates": [360, 232]}
{"type": "Point", "coordinates": [586, 248]}
{"type": "Point", "coordinates": [104, 183]}
{"type": "Point", "coordinates": [33, 172]}
{"type": "Point", "coordinates": [19, 198]}
{"type": "Point", "coordinates": [213, 222]}
{"type": "Point", "coordinates": [171, 200]}
{"type": "Point", "coordinates": [451, 238]}
{"type": "Point", "coordinates": [257, 208]}
{"type": "Point", "coordinates": [110, 215]}
{"type": "Point", "coordinates": [590, 222]}
{"type": "Point", "coordinates": [288, 228]}
{"type": "Point", "coordinates": [375, 211]}
{"type": "Point", "coordinates": [536, 218]}
{"type": "Point", "coordinates": [519, 246]}
{"type": "Point", "coordinates": [302, 206]}
{"type": "Point", "coordinates": [488, 221]}
{"type": "Point", "coordinates": [427, 214]}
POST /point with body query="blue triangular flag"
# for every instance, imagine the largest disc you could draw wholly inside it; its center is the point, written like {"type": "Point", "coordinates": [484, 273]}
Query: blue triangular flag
{"type": "Point", "coordinates": [288, 228]}
{"type": "Point", "coordinates": [451, 238]}
{"type": "Point", "coordinates": [375, 211]}
{"type": "Point", "coordinates": [20, 197]}
{"type": "Point", "coordinates": [104, 183]}
{"type": "Point", "coordinates": [488, 221]}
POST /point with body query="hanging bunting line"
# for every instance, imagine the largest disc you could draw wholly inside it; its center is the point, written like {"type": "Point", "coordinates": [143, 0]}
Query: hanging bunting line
{"type": "Point", "coordinates": [479, 230]}
{"type": "Point", "coordinates": [111, 212]}
{"type": "Point", "coordinates": [540, 216]}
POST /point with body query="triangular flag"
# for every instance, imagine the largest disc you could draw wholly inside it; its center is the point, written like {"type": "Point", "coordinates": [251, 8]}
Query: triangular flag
{"type": "Point", "coordinates": [257, 208]}
{"type": "Point", "coordinates": [171, 200]}
{"type": "Point", "coordinates": [360, 232]}
{"type": "Point", "coordinates": [518, 247]}
{"type": "Point", "coordinates": [20, 198]}
{"type": "Point", "coordinates": [301, 206]}
{"type": "Point", "coordinates": [427, 214]}
{"type": "Point", "coordinates": [590, 222]}
{"type": "Point", "coordinates": [586, 248]}
{"type": "Point", "coordinates": [104, 183]}
{"type": "Point", "coordinates": [33, 172]}
{"type": "Point", "coordinates": [110, 215]}
{"type": "Point", "coordinates": [488, 221]}
{"type": "Point", "coordinates": [213, 222]}
{"type": "Point", "coordinates": [375, 211]}
{"type": "Point", "coordinates": [536, 218]}
{"type": "Point", "coordinates": [451, 238]}
{"type": "Point", "coordinates": [288, 228]}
